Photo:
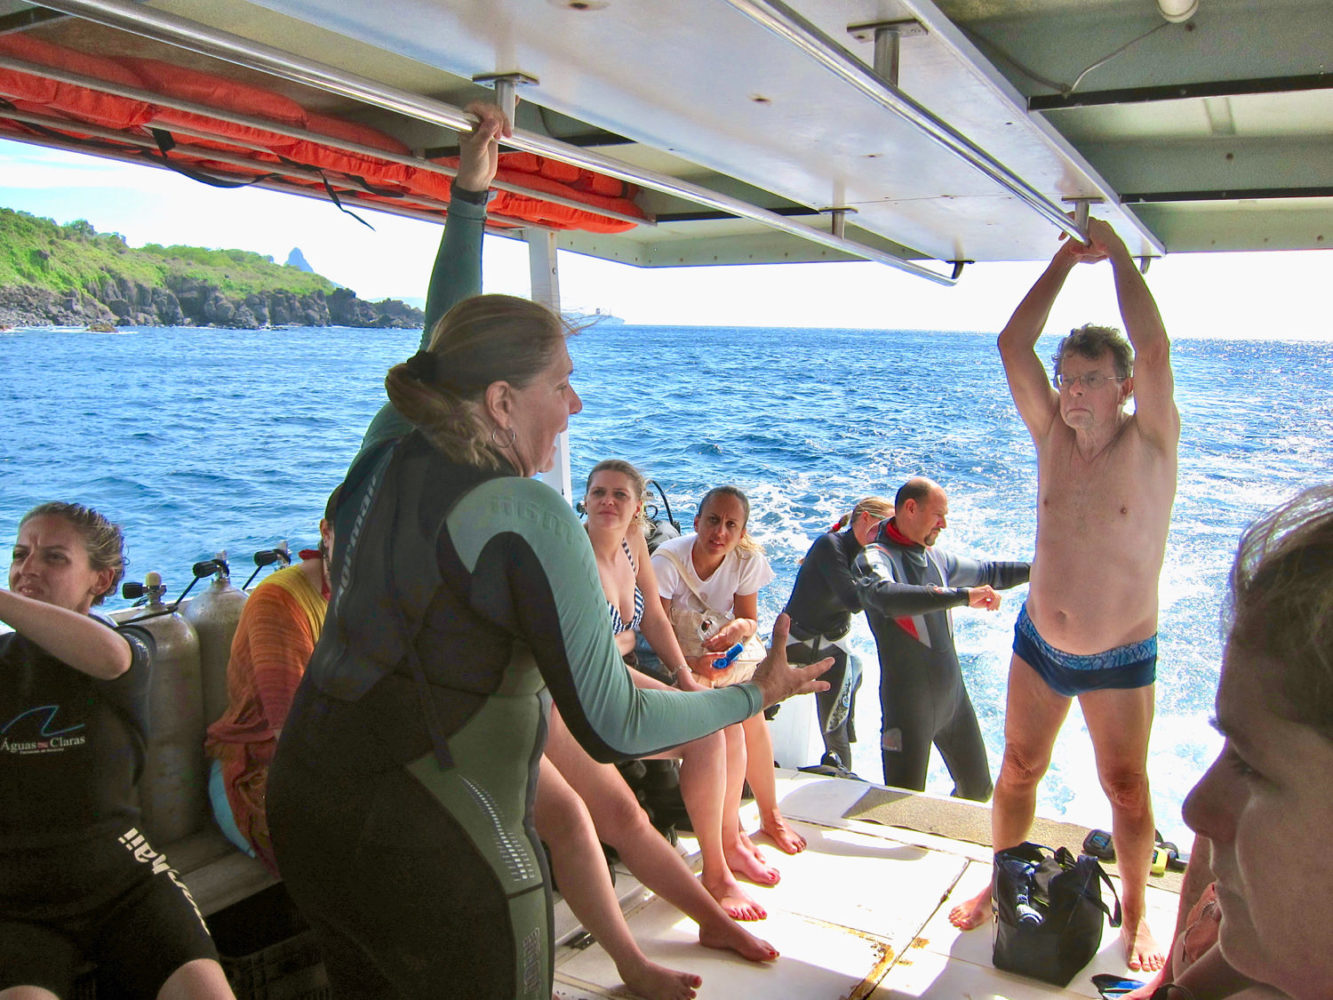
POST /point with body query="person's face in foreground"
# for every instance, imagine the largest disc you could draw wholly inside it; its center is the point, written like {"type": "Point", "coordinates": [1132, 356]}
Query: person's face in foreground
{"type": "Point", "coordinates": [1091, 394]}
{"type": "Point", "coordinates": [1266, 805]}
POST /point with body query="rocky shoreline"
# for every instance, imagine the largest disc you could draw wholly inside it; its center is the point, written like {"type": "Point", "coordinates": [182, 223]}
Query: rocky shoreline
{"type": "Point", "coordinates": [185, 301]}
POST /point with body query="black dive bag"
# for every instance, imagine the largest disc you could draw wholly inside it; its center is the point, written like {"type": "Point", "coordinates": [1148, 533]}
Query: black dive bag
{"type": "Point", "coordinates": [1048, 911]}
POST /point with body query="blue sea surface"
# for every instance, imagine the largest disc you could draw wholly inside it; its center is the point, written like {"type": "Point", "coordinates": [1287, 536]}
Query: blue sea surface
{"type": "Point", "coordinates": [202, 440]}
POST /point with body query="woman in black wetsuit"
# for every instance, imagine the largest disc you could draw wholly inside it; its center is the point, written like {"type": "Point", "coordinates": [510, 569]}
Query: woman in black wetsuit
{"type": "Point", "coordinates": [823, 600]}
{"type": "Point", "coordinates": [78, 880]}
{"type": "Point", "coordinates": [466, 598]}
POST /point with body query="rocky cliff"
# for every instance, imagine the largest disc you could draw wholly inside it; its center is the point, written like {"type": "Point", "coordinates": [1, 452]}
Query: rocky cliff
{"type": "Point", "coordinates": [52, 275]}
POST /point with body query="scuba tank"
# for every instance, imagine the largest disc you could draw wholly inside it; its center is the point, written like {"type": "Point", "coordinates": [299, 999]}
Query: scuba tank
{"type": "Point", "coordinates": [215, 614]}
{"type": "Point", "coordinates": [173, 792]}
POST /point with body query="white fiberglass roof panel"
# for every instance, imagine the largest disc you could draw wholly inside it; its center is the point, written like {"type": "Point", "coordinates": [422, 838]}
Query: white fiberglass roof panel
{"type": "Point", "coordinates": [704, 81]}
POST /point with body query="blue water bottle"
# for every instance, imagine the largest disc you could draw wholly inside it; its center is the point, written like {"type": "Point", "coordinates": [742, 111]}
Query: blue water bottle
{"type": "Point", "coordinates": [1022, 872]}
{"type": "Point", "coordinates": [729, 657]}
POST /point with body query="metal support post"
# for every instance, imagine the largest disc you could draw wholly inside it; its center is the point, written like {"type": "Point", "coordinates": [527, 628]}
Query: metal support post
{"type": "Point", "coordinates": [544, 273]}
{"type": "Point", "coordinates": [838, 218]}
{"type": "Point", "coordinates": [888, 36]}
{"type": "Point", "coordinates": [506, 89]}
{"type": "Point", "coordinates": [1081, 206]}
{"type": "Point", "coordinates": [888, 53]}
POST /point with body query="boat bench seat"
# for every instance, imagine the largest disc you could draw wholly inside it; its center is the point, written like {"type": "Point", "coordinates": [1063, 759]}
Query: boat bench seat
{"type": "Point", "coordinates": [216, 874]}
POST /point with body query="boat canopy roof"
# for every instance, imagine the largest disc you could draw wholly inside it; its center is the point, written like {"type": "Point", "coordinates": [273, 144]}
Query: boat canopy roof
{"type": "Point", "coordinates": [923, 135]}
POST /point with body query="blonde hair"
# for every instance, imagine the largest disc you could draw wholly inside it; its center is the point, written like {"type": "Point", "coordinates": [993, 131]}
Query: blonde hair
{"type": "Point", "coordinates": [880, 508]}
{"type": "Point", "coordinates": [482, 340]}
{"type": "Point", "coordinates": [629, 471]}
{"type": "Point", "coordinates": [747, 543]}
{"type": "Point", "coordinates": [102, 539]}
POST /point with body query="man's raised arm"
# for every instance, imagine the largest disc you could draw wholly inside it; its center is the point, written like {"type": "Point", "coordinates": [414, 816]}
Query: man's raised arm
{"type": "Point", "coordinates": [1037, 401]}
{"type": "Point", "coordinates": [1154, 386]}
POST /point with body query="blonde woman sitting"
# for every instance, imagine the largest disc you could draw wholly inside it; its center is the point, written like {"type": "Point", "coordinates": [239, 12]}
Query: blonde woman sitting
{"type": "Point", "coordinates": [719, 570]}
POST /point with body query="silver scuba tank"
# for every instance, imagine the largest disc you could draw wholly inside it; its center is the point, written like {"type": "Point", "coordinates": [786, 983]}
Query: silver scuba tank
{"type": "Point", "coordinates": [173, 792]}
{"type": "Point", "coordinates": [214, 615]}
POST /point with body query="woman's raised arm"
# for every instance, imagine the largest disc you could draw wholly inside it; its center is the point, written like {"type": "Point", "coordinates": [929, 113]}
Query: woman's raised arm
{"type": "Point", "coordinates": [74, 639]}
{"type": "Point", "coordinates": [457, 271]}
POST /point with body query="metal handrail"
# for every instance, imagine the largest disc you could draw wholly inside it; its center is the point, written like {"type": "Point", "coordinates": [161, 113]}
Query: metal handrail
{"type": "Point", "coordinates": [184, 33]}
{"type": "Point", "coordinates": [787, 23]}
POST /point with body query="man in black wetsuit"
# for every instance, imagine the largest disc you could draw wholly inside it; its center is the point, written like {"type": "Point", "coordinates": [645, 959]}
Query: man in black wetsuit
{"type": "Point", "coordinates": [908, 588]}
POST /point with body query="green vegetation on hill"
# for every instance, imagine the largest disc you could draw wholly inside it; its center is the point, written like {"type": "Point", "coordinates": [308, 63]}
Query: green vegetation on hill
{"type": "Point", "coordinates": [76, 258]}
{"type": "Point", "coordinates": [53, 275]}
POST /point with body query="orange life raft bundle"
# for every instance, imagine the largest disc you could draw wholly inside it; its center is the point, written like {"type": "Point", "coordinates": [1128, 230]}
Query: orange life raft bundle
{"type": "Point", "coordinates": [228, 133]}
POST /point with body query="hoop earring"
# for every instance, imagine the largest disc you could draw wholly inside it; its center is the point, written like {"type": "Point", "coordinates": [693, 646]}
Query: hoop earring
{"type": "Point", "coordinates": [513, 437]}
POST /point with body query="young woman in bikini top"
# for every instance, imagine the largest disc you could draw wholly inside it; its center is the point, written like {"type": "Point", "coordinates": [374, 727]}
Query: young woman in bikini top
{"type": "Point", "coordinates": [614, 503]}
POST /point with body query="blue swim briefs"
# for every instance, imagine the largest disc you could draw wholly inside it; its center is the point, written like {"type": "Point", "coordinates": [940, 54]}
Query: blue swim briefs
{"type": "Point", "coordinates": [1130, 666]}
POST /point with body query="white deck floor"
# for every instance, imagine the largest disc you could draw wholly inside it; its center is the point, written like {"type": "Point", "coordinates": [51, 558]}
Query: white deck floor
{"type": "Point", "coordinates": [862, 913]}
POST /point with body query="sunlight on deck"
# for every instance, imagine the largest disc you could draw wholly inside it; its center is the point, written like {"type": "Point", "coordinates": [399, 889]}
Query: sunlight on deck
{"type": "Point", "coordinates": [862, 914]}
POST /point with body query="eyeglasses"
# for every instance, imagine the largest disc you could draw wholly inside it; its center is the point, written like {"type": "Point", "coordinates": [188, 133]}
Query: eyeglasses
{"type": "Point", "coordinates": [1092, 381]}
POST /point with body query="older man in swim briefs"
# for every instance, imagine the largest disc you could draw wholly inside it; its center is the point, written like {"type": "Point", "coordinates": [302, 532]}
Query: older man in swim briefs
{"type": "Point", "coordinates": [1106, 480]}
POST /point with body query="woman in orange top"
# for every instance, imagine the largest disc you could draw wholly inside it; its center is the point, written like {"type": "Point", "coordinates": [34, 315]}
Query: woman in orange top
{"type": "Point", "coordinates": [279, 627]}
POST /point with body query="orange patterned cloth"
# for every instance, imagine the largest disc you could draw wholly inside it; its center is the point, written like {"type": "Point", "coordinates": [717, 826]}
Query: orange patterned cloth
{"type": "Point", "coordinates": [279, 627]}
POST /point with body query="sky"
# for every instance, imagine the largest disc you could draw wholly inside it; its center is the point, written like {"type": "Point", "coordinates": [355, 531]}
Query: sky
{"type": "Point", "coordinates": [1262, 295]}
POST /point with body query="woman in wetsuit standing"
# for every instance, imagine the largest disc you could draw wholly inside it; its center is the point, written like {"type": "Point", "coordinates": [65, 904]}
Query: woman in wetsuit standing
{"type": "Point", "coordinates": [465, 599]}
{"type": "Point", "coordinates": [823, 600]}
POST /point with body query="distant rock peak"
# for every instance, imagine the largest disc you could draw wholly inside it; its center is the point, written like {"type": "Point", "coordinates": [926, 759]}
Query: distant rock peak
{"type": "Point", "coordinates": [297, 260]}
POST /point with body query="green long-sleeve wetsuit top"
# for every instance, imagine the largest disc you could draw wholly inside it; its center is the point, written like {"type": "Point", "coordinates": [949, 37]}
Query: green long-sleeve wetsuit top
{"type": "Point", "coordinates": [505, 580]}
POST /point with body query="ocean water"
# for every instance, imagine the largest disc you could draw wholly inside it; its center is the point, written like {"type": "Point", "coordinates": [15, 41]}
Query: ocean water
{"type": "Point", "coordinates": [201, 440]}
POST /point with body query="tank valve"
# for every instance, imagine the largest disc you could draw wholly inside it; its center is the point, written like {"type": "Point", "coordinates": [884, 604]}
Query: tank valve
{"type": "Point", "coordinates": [210, 566]}
{"type": "Point", "coordinates": [149, 592]}
{"type": "Point", "coordinates": [280, 553]}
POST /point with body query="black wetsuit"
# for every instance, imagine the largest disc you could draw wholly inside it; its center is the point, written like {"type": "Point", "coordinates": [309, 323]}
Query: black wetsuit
{"type": "Point", "coordinates": [907, 591]}
{"type": "Point", "coordinates": [78, 880]}
{"type": "Point", "coordinates": [400, 800]}
{"type": "Point", "coordinates": [823, 600]}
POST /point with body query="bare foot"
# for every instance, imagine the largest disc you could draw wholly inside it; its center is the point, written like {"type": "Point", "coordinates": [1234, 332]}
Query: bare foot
{"type": "Point", "coordinates": [732, 898]}
{"type": "Point", "coordinates": [1141, 951]}
{"type": "Point", "coordinates": [973, 913]}
{"type": "Point", "coordinates": [1146, 991]}
{"type": "Point", "coordinates": [748, 863]}
{"type": "Point", "coordinates": [729, 935]}
{"type": "Point", "coordinates": [752, 847]}
{"type": "Point", "coordinates": [654, 982]}
{"type": "Point", "coordinates": [780, 833]}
